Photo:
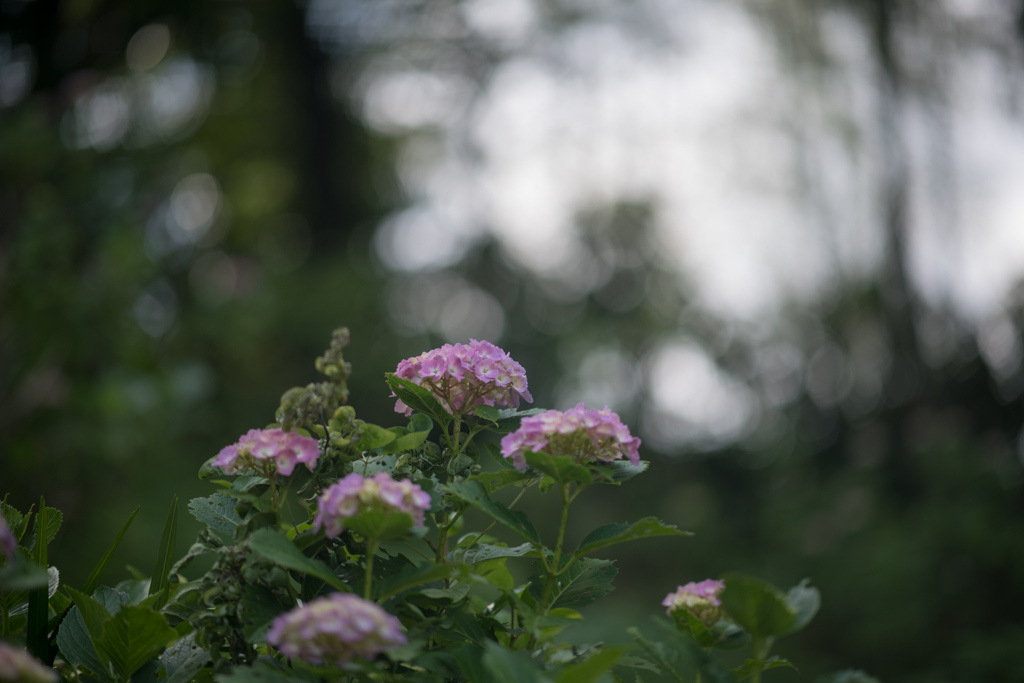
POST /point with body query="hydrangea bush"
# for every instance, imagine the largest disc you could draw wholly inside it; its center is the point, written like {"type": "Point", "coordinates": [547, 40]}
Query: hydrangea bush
{"type": "Point", "coordinates": [363, 565]}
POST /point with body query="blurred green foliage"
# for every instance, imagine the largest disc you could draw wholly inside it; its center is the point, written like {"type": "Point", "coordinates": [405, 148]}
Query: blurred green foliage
{"type": "Point", "coordinates": [131, 350]}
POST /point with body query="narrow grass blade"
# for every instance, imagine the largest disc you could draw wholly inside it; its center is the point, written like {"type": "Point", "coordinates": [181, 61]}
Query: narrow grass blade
{"type": "Point", "coordinates": [38, 599]}
{"type": "Point", "coordinates": [94, 578]}
{"type": "Point", "coordinates": [165, 556]}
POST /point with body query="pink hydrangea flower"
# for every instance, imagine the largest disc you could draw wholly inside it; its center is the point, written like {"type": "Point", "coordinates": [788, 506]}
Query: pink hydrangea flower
{"type": "Point", "coordinates": [356, 493]}
{"type": "Point", "coordinates": [8, 543]}
{"type": "Point", "coordinates": [698, 598]}
{"type": "Point", "coordinates": [582, 433]}
{"type": "Point", "coordinates": [284, 449]}
{"type": "Point", "coordinates": [18, 665]}
{"type": "Point", "coordinates": [334, 629]}
{"type": "Point", "coordinates": [463, 376]}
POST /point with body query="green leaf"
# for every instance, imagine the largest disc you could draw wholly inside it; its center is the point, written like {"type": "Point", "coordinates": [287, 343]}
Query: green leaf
{"type": "Point", "coordinates": [257, 609]}
{"type": "Point", "coordinates": [374, 437]}
{"type": "Point", "coordinates": [585, 581]}
{"type": "Point", "coordinates": [613, 534]}
{"type": "Point", "coordinates": [89, 615]}
{"type": "Point", "coordinates": [469, 658]}
{"type": "Point", "coordinates": [757, 606]}
{"type": "Point", "coordinates": [506, 666]}
{"type": "Point", "coordinates": [112, 599]}
{"type": "Point", "coordinates": [418, 398]}
{"type": "Point", "coordinates": [217, 512]}
{"type": "Point", "coordinates": [473, 493]}
{"type": "Point", "coordinates": [165, 554]}
{"type": "Point", "coordinates": [595, 666]}
{"type": "Point", "coordinates": [420, 423]}
{"type": "Point", "coordinates": [467, 625]}
{"type": "Point", "coordinates": [37, 636]}
{"type": "Point", "coordinates": [132, 637]}
{"type": "Point", "coordinates": [445, 596]}
{"type": "Point", "coordinates": [698, 630]}
{"type": "Point", "coordinates": [276, 547]}
{"type": "Point", "coordinates": [485, 551]}
{"type": "Point", "coordinates": [409, 440]}
{"type": "Point", "coordinates": [413, 576]}
{"type": "Point", "coordinates": [724, 635]}
{"type": "Point", "coordinates": [496, 573]}
{"type": "Point", "coordinates": [18, 577]}
{"type": "Point", "coordinates": [748, 667]}
{"type": "Point", "coordinates": [487, 413]}
{"type": "Point", "coordinates": [260, 672]}
{"type": "Point", "coordinates": [500, 460]}
{"type": "Point", "coordinates": [52, 583]}
{"type": "Point", "coordinates": [17, 522]}
{"type": "Point", "coordinates": [510, 419]}
{"type": "Point", "coordinates": [562, 468]}
{"type": "Point", "coordinates": [671, 661]}
{"type": "Point", "coordinates": [97, 573]}
{"type": "Point", "coordinates": [54, 517]}
{"type": "Point", "coordinates": [184, 659]}
{"type": "Point", "coordinates": [380, 525]}
{"type": "Point", "coordinates": [76, 646]}
{"type": "Point", "coordinates": [495, 481]}
{"type": "Point", "coordinates": [681, 657]}
{"type": "Point", "coordinates": [618, 471]}
{"type": "Point", "coordinates": [805, 600]}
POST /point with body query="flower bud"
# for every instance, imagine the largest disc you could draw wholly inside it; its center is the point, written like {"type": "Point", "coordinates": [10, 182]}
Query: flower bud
{"type": "Point", "coordinates": [699, 599]}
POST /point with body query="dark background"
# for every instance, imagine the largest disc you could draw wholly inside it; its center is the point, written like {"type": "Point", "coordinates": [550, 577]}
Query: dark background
{"type": "Point", "coordinates": [190, 199]}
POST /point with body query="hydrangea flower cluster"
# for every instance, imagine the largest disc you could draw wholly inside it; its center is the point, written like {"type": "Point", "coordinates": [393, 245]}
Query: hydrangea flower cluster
{"type": "Point", "coordinates": [582, 433]}
{"type": "Point", "coordinates": [463, 376]}
{"type": "Point", "coordinates": [284, 449]}
{"type": "Point", "coordinates": [8, 543]}
{"type": "Point", "coordinates": [698, 598]}
{"type": "Point", "coordinates": [356, 493]}
{"type": "Point", "coordinates": [18, 665]}
{"type": "Point", "coordinates": [334, 629]}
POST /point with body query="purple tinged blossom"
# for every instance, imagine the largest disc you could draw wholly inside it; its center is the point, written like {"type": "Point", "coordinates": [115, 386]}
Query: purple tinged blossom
{"type": "Point", "coordinates": [582, 433]}
{"type": "Point", "coordinates": [18, 665]}
{"type": "Point", "coordinates": [356, 493]}
{"type": "Point", "coordinates": [284, 449]}
{"type": "Point", "coordinates": [698, 598]}
{"type": "Point", "coordinates": [334, 629]}
{"type": "Point", "coordinates": [463, 376]}
{"type": "Point", "coordinates": [8, 543]}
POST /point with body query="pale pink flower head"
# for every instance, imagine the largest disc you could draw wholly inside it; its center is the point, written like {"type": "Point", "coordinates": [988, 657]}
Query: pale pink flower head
{"type": "Point", "coordinates": [334, 629]}
{"type": "Point", "coordinates": [8, 543]}
{"type": "Point", "coordinates": [263, 446]}
{"type": "Point", "coordinates": [463, 376]}
{"type": "Point", "coordinates": [355, 493]}
{"type": "Point", "coordinates": [582, 433]}
{"type": "Point", "coordinates": [18, 665]}
{"type": "Point", "coordinates": [698, 598]}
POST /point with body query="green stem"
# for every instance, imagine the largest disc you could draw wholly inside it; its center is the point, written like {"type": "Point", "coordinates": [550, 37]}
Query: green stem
{"type": "Point", "coordinates": [456, 433]}
{"type": "Point", "coordinates": [442, 536]}
{"type": "Point", "coordinates": [554, 570]}
{"type": "Point", "coordinates": [271, 474]}
{"type": "Point", "coordinates": [371, 550]}
{"type": "Point", "coordinates": [759, 648]}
